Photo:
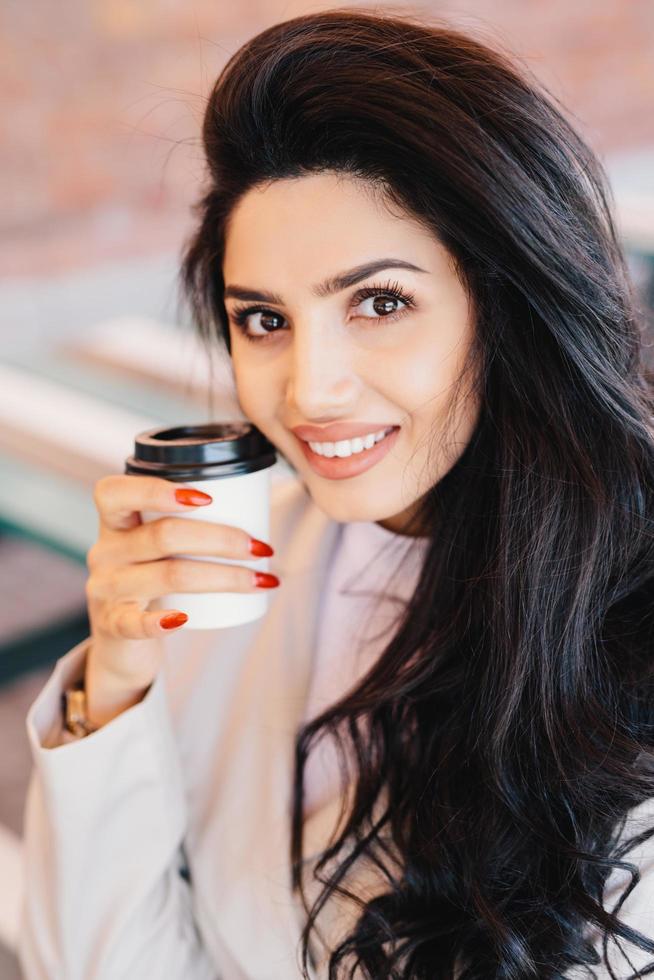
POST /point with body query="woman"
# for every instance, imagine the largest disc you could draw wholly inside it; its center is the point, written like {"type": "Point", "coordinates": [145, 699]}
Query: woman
{"type": "Point", "coordinates": [401, 236]}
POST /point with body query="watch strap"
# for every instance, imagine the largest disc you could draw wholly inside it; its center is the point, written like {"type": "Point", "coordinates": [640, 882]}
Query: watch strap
{"type": "Point", "coordinates": [74, 709]}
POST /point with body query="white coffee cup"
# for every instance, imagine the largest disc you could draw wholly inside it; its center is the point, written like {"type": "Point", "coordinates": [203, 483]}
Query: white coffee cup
{"type": "Point", "coordinates": [231, 461]}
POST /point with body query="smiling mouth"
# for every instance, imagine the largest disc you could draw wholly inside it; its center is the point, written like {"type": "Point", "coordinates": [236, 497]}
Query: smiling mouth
{"type": "Point", "coordinates": [344, 448]}
{"type": "Point", "coordinates": [352, 464]}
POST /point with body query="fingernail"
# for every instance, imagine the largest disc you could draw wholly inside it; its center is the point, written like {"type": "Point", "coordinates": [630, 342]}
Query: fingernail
{"type": "Point", "coordinates": [172, 620]}
{"type": "Point", "coordinates": [260, 548]}
{"type": "Point", "coordinates": [186, 495]}
{"type": "Point", "coordinates": [264, 580]}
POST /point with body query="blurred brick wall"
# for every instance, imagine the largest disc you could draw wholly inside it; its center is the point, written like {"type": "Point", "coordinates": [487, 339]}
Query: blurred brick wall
{"type": "Point", "coordinates": [102, 102]}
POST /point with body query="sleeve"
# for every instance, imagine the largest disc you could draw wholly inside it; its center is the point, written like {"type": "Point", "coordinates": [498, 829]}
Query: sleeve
{"type": "Point", "coordinates": [106, 897]}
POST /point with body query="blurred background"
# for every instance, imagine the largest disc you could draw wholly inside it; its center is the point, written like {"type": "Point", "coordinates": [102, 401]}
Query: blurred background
{"type": "Point", "coordinates": [100, 160]}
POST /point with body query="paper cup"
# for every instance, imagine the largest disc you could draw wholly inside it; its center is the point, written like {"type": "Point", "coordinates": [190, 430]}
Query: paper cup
{"type": "Point", "coordinates": [232, 462]}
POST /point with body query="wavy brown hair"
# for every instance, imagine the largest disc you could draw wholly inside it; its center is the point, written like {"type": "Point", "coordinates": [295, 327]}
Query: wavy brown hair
{"type": "Point", "coordinates": [509, 720]}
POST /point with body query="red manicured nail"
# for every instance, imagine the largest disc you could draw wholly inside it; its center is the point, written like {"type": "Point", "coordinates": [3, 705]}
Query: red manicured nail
{"type": "Point", "coordinates": [264, 580]}
{"type": "Point", "coordinates": [186, 495]}
{"type": "Point", "coordinates": [172, 620]}
{"type": "Point", "coordinates": [260, 548]}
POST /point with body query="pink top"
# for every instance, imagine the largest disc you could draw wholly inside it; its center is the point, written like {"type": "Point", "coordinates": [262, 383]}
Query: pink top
{"type": "Point", "coordinates": [353, 628]}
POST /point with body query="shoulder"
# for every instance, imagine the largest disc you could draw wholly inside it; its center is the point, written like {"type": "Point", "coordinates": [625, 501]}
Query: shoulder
{"type": "Point", "coordinates": [637, 909]}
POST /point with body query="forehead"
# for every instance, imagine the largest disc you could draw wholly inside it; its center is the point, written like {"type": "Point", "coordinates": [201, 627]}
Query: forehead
{"type": "Point", "coordinates": [307, 225]}
{"type": "Point", "coordinates": [310, 191]}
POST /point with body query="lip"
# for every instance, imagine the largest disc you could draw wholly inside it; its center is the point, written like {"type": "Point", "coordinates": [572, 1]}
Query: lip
{"type": "Point", "coordinates": [340, 468]}
{"type": "Point", "coordinates": [337, 431]}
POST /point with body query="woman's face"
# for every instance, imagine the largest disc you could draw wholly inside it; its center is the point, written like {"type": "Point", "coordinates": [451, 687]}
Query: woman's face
{"type": "Point", "coordinates": [330, 355]}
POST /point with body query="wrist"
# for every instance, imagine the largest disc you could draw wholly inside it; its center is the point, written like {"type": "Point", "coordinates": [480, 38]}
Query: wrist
{"type": "Point", "coordinates": [107, 697]}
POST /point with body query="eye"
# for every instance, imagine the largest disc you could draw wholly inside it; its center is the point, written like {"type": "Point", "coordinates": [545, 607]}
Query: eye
{"type": "Point", "coordinates": [389, 295]}
{"type": "Point", "coordinates": [241, 315]}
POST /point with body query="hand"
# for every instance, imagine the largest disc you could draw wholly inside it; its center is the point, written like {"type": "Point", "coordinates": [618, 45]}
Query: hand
{"type": "Point", "coordinates": [129, 565]}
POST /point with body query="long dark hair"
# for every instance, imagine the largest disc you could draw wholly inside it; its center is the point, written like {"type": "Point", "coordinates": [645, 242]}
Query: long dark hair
{"type": "Point", "coordinates": [509, 720]}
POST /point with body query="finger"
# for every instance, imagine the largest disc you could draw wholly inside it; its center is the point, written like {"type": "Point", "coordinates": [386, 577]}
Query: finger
{"type": "Point", "coordinates": [127, 621]}
{"type": "Point", "coordinates": [119, 499]}
{"type": "Point", "coordinates": [172, 536]}
{"type": "Point", "coordinates": [148, 580]}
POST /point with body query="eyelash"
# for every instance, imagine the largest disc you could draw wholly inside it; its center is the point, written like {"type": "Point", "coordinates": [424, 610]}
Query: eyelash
{"type": "Point", "coordinates": [393, 289]}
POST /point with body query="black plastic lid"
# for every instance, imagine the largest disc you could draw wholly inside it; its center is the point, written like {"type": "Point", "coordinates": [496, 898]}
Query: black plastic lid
{"type": "Point", "coordinates": [201, 452]}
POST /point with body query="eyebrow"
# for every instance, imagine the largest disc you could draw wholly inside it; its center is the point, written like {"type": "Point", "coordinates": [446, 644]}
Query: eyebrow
{"type": "Point", "coordinates": [333, 284]}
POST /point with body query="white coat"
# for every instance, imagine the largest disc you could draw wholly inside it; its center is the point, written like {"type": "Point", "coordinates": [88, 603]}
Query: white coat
{"type": "Point", "coordinates": [194, 782]}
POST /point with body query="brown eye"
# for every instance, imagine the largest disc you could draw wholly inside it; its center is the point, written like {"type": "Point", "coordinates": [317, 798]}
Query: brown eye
{"type": "Point", "coordinates": [383, 306]}
{"type": "Point", "coordinates": [384, 301]}
{"type": "Point", "coordinates": [241, 316]}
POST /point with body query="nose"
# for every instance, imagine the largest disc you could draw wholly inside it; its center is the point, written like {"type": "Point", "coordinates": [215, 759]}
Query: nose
{"type": "Point", "coordinates": [322, 383]}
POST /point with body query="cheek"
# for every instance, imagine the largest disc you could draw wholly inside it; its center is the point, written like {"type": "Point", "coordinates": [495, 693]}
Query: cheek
{"type": "Point", "coordinates": [245, 388]}
{"type": "Point", "coordinates": [423, 377]}
{"type": "Point", "coordinates": [256, 391]}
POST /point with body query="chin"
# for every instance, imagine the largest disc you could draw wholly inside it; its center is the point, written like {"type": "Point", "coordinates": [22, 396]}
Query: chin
{"type": "Point", "coordinates": [345, 510]}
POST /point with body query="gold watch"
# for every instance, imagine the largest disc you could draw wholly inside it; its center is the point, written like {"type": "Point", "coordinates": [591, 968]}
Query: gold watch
{"type": "Point", "coordinates": [74, 706]}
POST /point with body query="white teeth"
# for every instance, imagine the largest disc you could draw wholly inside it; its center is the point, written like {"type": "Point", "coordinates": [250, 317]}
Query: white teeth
{"type": "Point", "coordinates": [349, 447]}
